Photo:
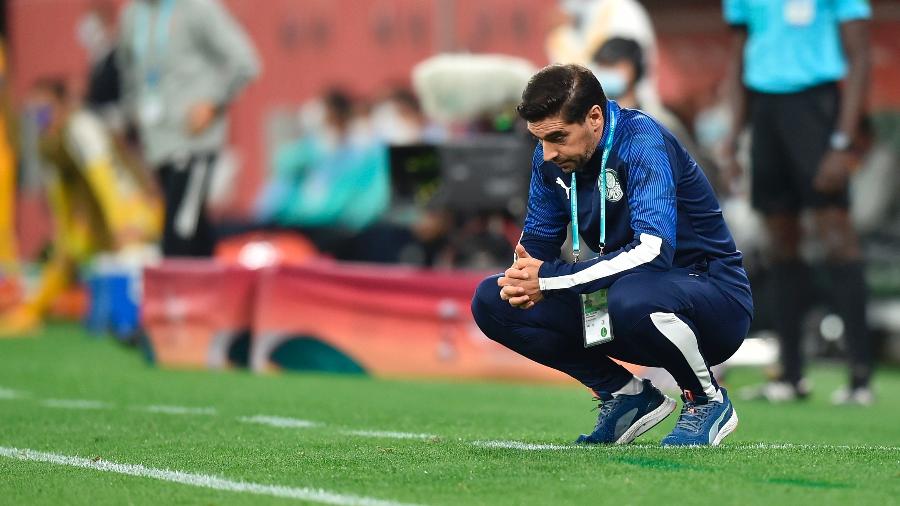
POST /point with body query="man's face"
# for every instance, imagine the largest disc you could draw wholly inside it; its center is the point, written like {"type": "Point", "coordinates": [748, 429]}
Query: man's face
{"type": "Point", "coordinates": [569, 145]}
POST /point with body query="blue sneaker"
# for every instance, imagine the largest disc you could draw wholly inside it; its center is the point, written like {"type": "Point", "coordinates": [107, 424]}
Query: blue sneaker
{"type": "Point", "coordinates": [703, 421]}
{"type": "Point", "coordinates": [624, 417]}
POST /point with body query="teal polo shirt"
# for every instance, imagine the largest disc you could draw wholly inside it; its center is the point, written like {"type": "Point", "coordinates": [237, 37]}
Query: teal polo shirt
{"type": "Point", "coordinates": [793, 45]}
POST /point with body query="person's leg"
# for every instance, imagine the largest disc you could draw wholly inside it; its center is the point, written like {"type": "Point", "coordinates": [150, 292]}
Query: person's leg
{"type": "Point", "coordinates": [814, 114]}
{"type": "Point", "coordinates": [683, 322]}
{"type": "Point", "coordinates": [790, 287]}
{"type": "Point", "coordinates": [778, 182]}
{"type": "Point", "coordinates": [191, 222]}
{"type": "Point", "coordinates": [847, 291]}
{"type": "Point", "coordinates": [171, 192]}
{"type": "Point", "coordinates": [187, 230]}
{"type": "Point", "coordinates": [550, 333]}
{"type": "Point", "coordinates": [678, 320]}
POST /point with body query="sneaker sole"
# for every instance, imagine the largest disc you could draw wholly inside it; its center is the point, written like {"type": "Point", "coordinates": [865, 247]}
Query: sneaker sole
{"type": "Point", "coordinates": [648, 421]}
{"type": "Point", "coordinates": [726, 429]}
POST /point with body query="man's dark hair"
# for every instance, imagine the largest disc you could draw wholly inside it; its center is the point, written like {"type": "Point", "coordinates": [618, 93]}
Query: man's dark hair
{"type": "Point", "coordinates": [340, 104]}
{"type": "Point", "coordinates": [568, 90]}
{"type": "Point", "coordinates": [406, 98]}
{"type": "Point", "coordinates": [620, 49]}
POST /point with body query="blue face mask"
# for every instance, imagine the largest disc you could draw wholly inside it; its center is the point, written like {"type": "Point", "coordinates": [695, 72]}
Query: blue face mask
{"type": "Point", "coordinates": [42, 115]}
{"type": "Point", "coordinates": [614, 83]}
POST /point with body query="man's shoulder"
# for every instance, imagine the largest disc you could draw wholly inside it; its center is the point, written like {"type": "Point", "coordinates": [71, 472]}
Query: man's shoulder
{"type": "Point", "coordinates": [640, 132]}
{"type": "Point", "coordinates": [641, 121]}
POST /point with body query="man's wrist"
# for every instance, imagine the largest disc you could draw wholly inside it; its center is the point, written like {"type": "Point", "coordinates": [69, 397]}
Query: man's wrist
{"type": "Point", "coordinates": [549, 270]}
{"type": "Point", "coordinates": [542, 275]}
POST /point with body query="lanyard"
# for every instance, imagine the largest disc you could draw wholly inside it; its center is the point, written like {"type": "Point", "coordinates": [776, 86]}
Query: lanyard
{"type": "Point", "coordinates": [142, 35]}
{"type": "Point", "coordinates": [601, 182]}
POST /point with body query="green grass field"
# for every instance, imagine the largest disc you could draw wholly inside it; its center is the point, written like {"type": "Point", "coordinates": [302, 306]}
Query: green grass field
{"type": "Point", "coordinates": [808, 453]}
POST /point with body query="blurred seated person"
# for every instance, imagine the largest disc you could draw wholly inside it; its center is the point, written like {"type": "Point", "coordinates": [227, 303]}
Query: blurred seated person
{"type": "Point", "coordinates": [8, 248]}
{"type": "Point", "coordinates": [399, 120]}
{"type": "Point", "coordinates": [98, 204]}
{"type": "Point", "coordinates": [619, 65]}
{"type": "Point", "coordinates": [330, 184]}
{"type": "Point", "coordinates": [581, 27]}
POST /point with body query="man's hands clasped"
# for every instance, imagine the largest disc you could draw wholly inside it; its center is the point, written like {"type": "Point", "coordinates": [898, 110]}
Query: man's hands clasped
{"type": "Point", "coordinates": [519, 284]}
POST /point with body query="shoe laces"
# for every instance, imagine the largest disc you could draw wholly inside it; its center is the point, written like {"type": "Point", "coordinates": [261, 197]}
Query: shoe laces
{"type": "Point", "coordinates": [605, 407]}
{"type": "Point", "coordinates": [693, 415]}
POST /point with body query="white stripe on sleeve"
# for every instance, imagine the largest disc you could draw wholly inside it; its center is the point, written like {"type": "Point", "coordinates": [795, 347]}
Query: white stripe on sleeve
{"type": "Point", "coordinates": [643, 253]}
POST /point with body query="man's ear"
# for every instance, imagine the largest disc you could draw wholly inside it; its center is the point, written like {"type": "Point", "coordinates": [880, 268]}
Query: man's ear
{"type": "Point", "coordinates": [595, 118]}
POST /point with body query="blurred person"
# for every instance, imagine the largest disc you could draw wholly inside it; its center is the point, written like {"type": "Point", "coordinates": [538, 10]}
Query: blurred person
{"type": "Point", "coordinates": [7, 173]}
{"type": "Point", "coordinates": [668, 289]}
{"type": "Point", "coordinates": [97, 35]}
{"type": "Point", "coordinates": [9, 281]}
{"type": "Point", "coordinates": [97, 32]}
{"type": "Point", "coordinates": [96, 202]}
{"type": "Point", "coordinates": [399, 121]}
{"type": "Point", "coordinates": [183, 62]}
{"type": "Point", "coordinates": [583, 26]}
{"type": "Point", "coordinates": [619, 65]}
{"type": "Point", "coordinates": [788, 59]}
{"type": "Point", "coordinates": [331, 184]}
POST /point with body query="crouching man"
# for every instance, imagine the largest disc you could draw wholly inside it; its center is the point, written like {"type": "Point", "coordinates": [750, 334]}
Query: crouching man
{"type": "Point", "coordinates": [668, 289]}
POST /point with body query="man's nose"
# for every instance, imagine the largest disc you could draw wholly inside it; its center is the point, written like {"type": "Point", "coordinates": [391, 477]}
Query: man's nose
{"type": "Point", "coordinates": [549, 152]}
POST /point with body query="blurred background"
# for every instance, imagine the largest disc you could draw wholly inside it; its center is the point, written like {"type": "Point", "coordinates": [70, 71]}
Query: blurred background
{"type": "Point", "coordinates": [320, 184]}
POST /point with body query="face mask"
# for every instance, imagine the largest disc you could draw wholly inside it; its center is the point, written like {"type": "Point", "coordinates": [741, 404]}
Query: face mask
{"type": "Point", "coordinates": [312, 117]}
{"type": "Point", "coordinates": [712, 125]}
{"type": "Point", "coordinates": [614, 83]}
{"type": "Point", "coordinates": [392, 128]}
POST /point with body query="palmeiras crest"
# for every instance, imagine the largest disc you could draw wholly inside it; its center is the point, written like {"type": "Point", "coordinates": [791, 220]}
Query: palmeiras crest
{"type": "Point", "coordinates": [614, 191]}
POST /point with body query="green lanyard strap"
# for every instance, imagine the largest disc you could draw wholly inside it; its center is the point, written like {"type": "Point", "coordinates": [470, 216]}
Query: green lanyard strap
{"type": "Point", "coordinates": [601, 182]}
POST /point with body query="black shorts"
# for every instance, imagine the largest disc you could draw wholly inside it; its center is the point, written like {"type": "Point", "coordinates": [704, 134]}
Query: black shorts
{"type": "Point", "coordinates": [791, 134]}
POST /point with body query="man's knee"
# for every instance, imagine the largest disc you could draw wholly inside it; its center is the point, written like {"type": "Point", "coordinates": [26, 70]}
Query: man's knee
{"type": "Point", "coordinates": [486, 299]}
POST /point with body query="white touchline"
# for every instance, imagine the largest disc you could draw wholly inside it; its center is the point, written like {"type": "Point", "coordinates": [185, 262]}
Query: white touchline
{"type": "Point", "coordinates": [178, 410]}
{"type": "Point", "coordinates": [199, 480]}
{"type": "Point", "coordinates": [75, 404]}
{"type": "Point", "coordinates": [522, 445]}
{"type": "Point", "coordinates": [388, 434]}
{"type": "Point", "coordinates": [8, 393]}
{"type": "Point", "coordinates": [280, 421]}
{"type": "Point", "coordinates": [802, 446]}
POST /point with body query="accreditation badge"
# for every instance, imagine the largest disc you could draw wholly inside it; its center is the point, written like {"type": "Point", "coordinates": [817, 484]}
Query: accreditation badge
{"type": "Point", "coordinates": [597, 324]}
{"type": "Point", "coordinates": [151, 109]}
